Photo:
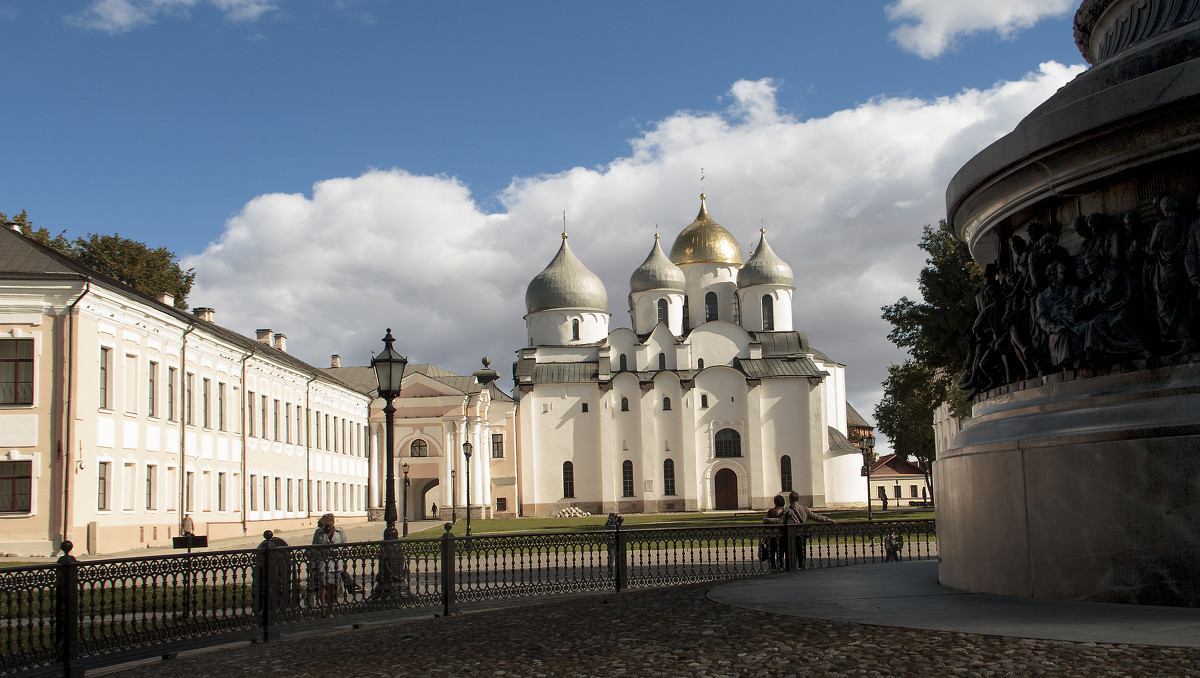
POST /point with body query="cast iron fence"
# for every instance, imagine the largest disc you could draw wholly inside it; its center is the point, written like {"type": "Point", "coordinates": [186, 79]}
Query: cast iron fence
{"type": "Point", "coordinates": [64, 618]}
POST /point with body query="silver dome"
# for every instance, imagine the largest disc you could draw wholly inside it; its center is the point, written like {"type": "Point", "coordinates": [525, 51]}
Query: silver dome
{"type": "Point", "coordinates": [566, 283]}
{"type": "Point", "coordinates": [657, 273]}
{"type": "Point", "coordinates": [764, 267]}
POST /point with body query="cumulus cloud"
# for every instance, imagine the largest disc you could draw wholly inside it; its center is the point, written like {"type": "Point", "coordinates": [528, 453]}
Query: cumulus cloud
{"type": "Point", "coordinates": [121, 16]}
{"type": "Point", "coordinates": [842, 198]}
{"type": "Point", "coordinates": [930, 27]}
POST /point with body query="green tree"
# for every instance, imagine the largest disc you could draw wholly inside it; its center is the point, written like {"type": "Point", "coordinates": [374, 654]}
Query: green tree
{"type": "Point", "coordinates": [935, 333]}
{"type": "Point", "coordinates": [147, 270]}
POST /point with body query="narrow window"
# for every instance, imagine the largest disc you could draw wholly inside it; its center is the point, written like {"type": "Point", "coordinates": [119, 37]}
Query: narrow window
{"type": "Point", "coordinates": [265, 401]}
{"type": "Point", "coordinates": [419, 448]}
{"type": "Point", "coordinates": [662, 361]}
{"type": "Point", "coordinates": [205, 394]}
{"type": "Point", "coordinates": [221, 388]}
{"type": "Point", "coordinates": [220, 491]}
{"type": "Point", "coordinates": [152, 389]}
{"type": "Point", "coordinates": [16, 371]}
{"type": "Point", "coordinates": [151, 487]}
{"type": "Point", "coordinates": [728, 443]}
{"type": "Point", "coordinates": [666, 404]}
{"type": "Point", "coordinates": [585, 407]}
{"type": "Point", "coordinates": [287, 423]}
{"type": "Point", "coordinates": [250, 413]}
{"type": "Point", "coordinates": [896, 492]}
{"type": "Point", "coordinates": [275, 421]}
{"type": "Point", "coordinates": [172, 384]}
{"type": "Point", "coordinates": [189, 383]}
{"type": "Point", "coordinates": [700, 363]}
{"type": "Point", "coordinates": [253, 492]}
{"type": "Point", "coordinates": [624, 404]}
{"type": "Point", "coordinates": [102, 482]}
{"type": "Point", "coordinates": [289, 494]}
{"type": "Point", "coordinates": [501, 504]}
{"type": "Point", "coordinates": [737, 309]}
{"type": "Point", "coordinates": [669, 478]}
{"type": "Point", "coordinates": [624, 363]}
{"type": "Point", "coordinates": [278, 494]}
{"type": "Point", "coordinates": [627, 478]}
{"type": "Point", "coordinates": [768, 309]}
{"type": "Point", "coordinates": [687, 316]}
{"type": "Point", "coordinates": [497, 446]}
{"type": "Point", "coordinates": [912, 491]}
{"type": "Point", "coordinates": [703, 400]}
{"type": "Point", "coordinates": [16, 485]}
{"type": "Point", "coordinates": [105, 375]}
{"type": "Point", "coordinates": [785, 473]}
{"type": "Point", "coordinates": [568, 480]}
{"type": "Point", "coordinates": [662, 310]}
{"type": "Point", "coordinates": [317, 428]}
{"type": "Point", "coordinates": [710, 306]}
{"type": "Point", "coordinates": [189, 486]}
{"type": "Point", "coordinates": [575, 330]}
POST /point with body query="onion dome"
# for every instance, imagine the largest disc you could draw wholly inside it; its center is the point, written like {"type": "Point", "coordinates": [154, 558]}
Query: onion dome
{"type": "Point", "coordinates": [705, 241]}
{"type": "Point", "coordinates": [765, 267]}
{"type": "Point", "coordinates": [566, 283]}
{"type": "Point", "coordinates": [657, 273]}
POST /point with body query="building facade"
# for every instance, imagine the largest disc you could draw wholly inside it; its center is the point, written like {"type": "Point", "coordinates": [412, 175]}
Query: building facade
{"type": "Point", "coordinates": [712, 401]}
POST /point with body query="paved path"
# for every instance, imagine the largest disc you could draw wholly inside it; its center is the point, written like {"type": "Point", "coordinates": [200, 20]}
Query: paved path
{"type": "Point", "coordinates": [761, 630]}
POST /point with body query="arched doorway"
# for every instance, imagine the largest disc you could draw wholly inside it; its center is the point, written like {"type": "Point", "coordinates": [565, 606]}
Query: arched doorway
{"type": "Point", "coordinates": [726, 490]}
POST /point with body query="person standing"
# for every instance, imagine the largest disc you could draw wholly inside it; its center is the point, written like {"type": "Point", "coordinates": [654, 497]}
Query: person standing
{"type": "Point", "coordinates": [613, 523]}
{"type": "Point", "coordinates": [327, 571]}
{"type": "Point", "coordinates": [799, 514]}
{"type": "Point", "coordinates": [775, 550]}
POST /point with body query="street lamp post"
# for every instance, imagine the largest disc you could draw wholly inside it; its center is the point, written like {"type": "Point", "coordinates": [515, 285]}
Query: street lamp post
{"type": "Point", "coordinates": [389, 371]}
{"type": "Point", "coordinates": [467, 456]}
{"type": "Point", "coordinates": [453, 499]}
{"type": "Point", "coordinates": [867, 443]}
{"type": "Point", "coordinates": [404, 501]}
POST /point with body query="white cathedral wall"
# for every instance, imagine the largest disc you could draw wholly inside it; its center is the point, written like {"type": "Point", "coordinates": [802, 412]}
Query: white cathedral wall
{"type": "Point", "coordinates": [704, 278]}
{"type": "Point", "coordinates": [554, 327]}
{"type": "Point", "coordinates": [750, 307]}
{"type": "Point", "coordinates": [844, 482]}
{"type": "Point", "coordinates": [559, 431]}
{"type": "Point", "coordinates": [834, 388]}
{"type": "Point", "coordinates": [645, 310]}
{"type": "Point", "coordinates": [728, 407]}
{"type": "Point", "coordinates": [718, 344]}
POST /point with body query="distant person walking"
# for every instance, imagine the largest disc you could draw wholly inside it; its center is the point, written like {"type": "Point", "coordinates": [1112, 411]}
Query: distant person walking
{"type": "Point", "coordinates": [775, 549]}
{"type": "Point", "coordinates": [433, 510]}
{"type": "Point", "coordinates": [883, 498]}
{"type": "Point", "coordinates": [327, 572]}
{"type": "Point", "coordinates": [799, 514]}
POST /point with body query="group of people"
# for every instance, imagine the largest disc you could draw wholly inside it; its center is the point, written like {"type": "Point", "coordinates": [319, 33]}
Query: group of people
{"type": "Point", "coordinates": [1123, 293]}
{"type": "Point", "coordinates": [789, 512]}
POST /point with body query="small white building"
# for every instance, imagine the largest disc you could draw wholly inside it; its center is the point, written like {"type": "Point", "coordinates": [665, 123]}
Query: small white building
{"type": "Point", "coordinates": [711, 401]}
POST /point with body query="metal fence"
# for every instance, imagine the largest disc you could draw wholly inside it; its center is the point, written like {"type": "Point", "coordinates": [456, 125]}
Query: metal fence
{"type": "Point", "coordinates": [64, 618]}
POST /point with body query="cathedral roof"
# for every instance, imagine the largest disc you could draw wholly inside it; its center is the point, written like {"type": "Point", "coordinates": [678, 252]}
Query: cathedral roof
{"type": "Point", "coordinates": [705, 241]}
{"type": "Point", "coordinates": [566, 283]}
{"type": "Point", "coordinates": [657, 273]}
{"type": "Point", "coordinates": [764, 267]}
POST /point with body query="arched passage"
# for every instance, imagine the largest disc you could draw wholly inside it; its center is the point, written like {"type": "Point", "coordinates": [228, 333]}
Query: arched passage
{"type": "Point", "coordinates": [725, 490]}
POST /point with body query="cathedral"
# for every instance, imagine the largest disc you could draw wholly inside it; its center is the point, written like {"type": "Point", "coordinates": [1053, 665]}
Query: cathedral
{"type": "Point", "coordinates": [712, 401]}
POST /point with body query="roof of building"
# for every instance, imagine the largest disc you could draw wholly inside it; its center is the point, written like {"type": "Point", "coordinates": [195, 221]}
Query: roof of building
{"type": "Point", "coordinates": [853, 418]}
{"type": "Point", "coordinates": [765, 267]}
{"type": "Point", "coordinates": [657, 272]}
{"type": "Point", "coordinates": [768, 368]}
{"type": "Point", "coordinates": [22, 257]}
{"type": "Point", "coordinates": [706, 241]}
{"type": "Point", "coordinates": [891, 465]}
{"type": "Point", "coordinates": [566, 283]}
{"type": "Point", "coordinates": [364, 379]}
{"type": "Point", "coordinates": [838, 442]}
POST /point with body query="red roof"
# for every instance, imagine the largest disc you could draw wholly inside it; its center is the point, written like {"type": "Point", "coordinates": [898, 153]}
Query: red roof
{"type": "Point", "coordinates": [893, 466]}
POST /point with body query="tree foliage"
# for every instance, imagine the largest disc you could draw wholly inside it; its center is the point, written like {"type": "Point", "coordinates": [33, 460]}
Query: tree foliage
{"type": "Point", "coordinates": [935, 333]}
{"type": "Point", "coordinates": [148, 270]}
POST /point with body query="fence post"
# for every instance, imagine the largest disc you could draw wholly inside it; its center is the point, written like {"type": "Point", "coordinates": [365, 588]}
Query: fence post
{"type": "Point", "coordinates": [447, 571]}
{"type": "Point", "coordinates": [66, 610]}
{"type": "Point", "coordinates": [270, 565]}
{"type": "Point", "coordinates": [619, 570]}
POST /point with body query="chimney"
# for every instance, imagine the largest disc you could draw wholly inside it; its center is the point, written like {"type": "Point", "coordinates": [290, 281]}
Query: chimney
{"type": "Point", "coordinates": [166, 298]}
{"type": "Point", "coordinates": [204, 313]}
{"type": "Point", "coordinates": [281, 342]}
{"type": "Point", "coordinates": [335, 360]}
{"type": "Point", "coordinates": [264, 336]}
{"type": "Point", "coordinates": [16, 228]}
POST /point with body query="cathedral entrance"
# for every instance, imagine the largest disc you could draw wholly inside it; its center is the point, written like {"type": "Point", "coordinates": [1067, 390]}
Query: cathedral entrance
{"type": "Point", "coordinates": [726, 490]}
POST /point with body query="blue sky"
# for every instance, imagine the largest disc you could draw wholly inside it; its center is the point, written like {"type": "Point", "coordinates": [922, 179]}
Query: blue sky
{"type": "Point", "coordinates": [331, 168]}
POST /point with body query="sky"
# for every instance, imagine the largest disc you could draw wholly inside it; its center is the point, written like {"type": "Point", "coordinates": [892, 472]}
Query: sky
{"type": "Point", "coordinates": [333, 168]}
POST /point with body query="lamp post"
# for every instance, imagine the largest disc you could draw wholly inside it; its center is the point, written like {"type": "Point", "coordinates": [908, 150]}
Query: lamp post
{"type": "Point", "coordinates": [867, 443]}
{"type": "Point", "coordinates": [404, 501]}
{"type": "Point", "coordinates": [389, 371]}
{"type": "Point", "coordinates": [453, 499]}
{"type": "Point", "coordinates": [467, 455]}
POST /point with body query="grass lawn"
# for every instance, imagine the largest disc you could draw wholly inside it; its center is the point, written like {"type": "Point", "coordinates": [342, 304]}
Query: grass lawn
{"type": "Point", "coordinates": [479, 527]}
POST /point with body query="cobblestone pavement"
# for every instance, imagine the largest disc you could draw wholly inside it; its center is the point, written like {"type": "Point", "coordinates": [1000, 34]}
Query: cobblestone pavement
{"type": "Point", "coordinates": [663, 632]}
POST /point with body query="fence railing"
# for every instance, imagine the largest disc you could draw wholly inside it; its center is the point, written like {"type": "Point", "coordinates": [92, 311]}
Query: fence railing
{"type": "Point", "coordinates": [64, 618]}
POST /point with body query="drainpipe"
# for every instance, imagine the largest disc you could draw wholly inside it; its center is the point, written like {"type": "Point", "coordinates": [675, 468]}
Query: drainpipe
{"type": "Point", "coordinates": [308, 496]}
{"type": "Point", "coordinates": [65, 449]}
{"type": "Point", "coordinates": [242, 427]}
{"type": "Point", "coordinates": [183, 423]}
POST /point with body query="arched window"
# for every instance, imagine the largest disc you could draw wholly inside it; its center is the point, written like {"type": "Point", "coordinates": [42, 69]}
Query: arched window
{"type": "Point", "coordinates": [729, 443]}
{"type": "Point", "coordinates": [737, 309]}
{"type": "Point", "coordinates": [700, 364]}
{"type": "Point", "coordinates": [669, 478]}
{"type": "Point", "coordinates": [703, 400]}
{"type": "Point", "coordinates": [662, 310]}
{"type": "Point", "coordinates": [666, 404]}
{"type": "Point", "coordinates": [662, 361]}
{"type": "Point", "coordinates": [768, 305]}
{"type": "Point", "coordinates": [627, 478]}
{"type": "Point", "coordinates": [568, 480]}
{"type": "Point", "coordinates": [624, 363]}
{"type": "Point", "coordinates": [785, 473]}
{"type": "Point", "coordinates": [710, 306]}
{"type": "Point", "coordinates": [575, 330]}
{"type": "Point", "coordinates": [419, 448]}
{"type": "Point", "coordinates": [624, 404]}
{"type": "Point", "coordinates": [687, 316]}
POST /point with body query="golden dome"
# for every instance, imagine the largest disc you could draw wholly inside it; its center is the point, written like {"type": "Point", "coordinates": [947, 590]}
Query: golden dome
{"type": "Point", "coordinates": [705, 242]}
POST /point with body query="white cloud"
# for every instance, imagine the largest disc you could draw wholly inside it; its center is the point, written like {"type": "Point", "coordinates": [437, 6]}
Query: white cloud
{"type": "Point", "coordinates": [843, 199]}
{"type": "Point", "coordinates": [930, 27]}
{"type": "Point", "coordinates": [121, 16]}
